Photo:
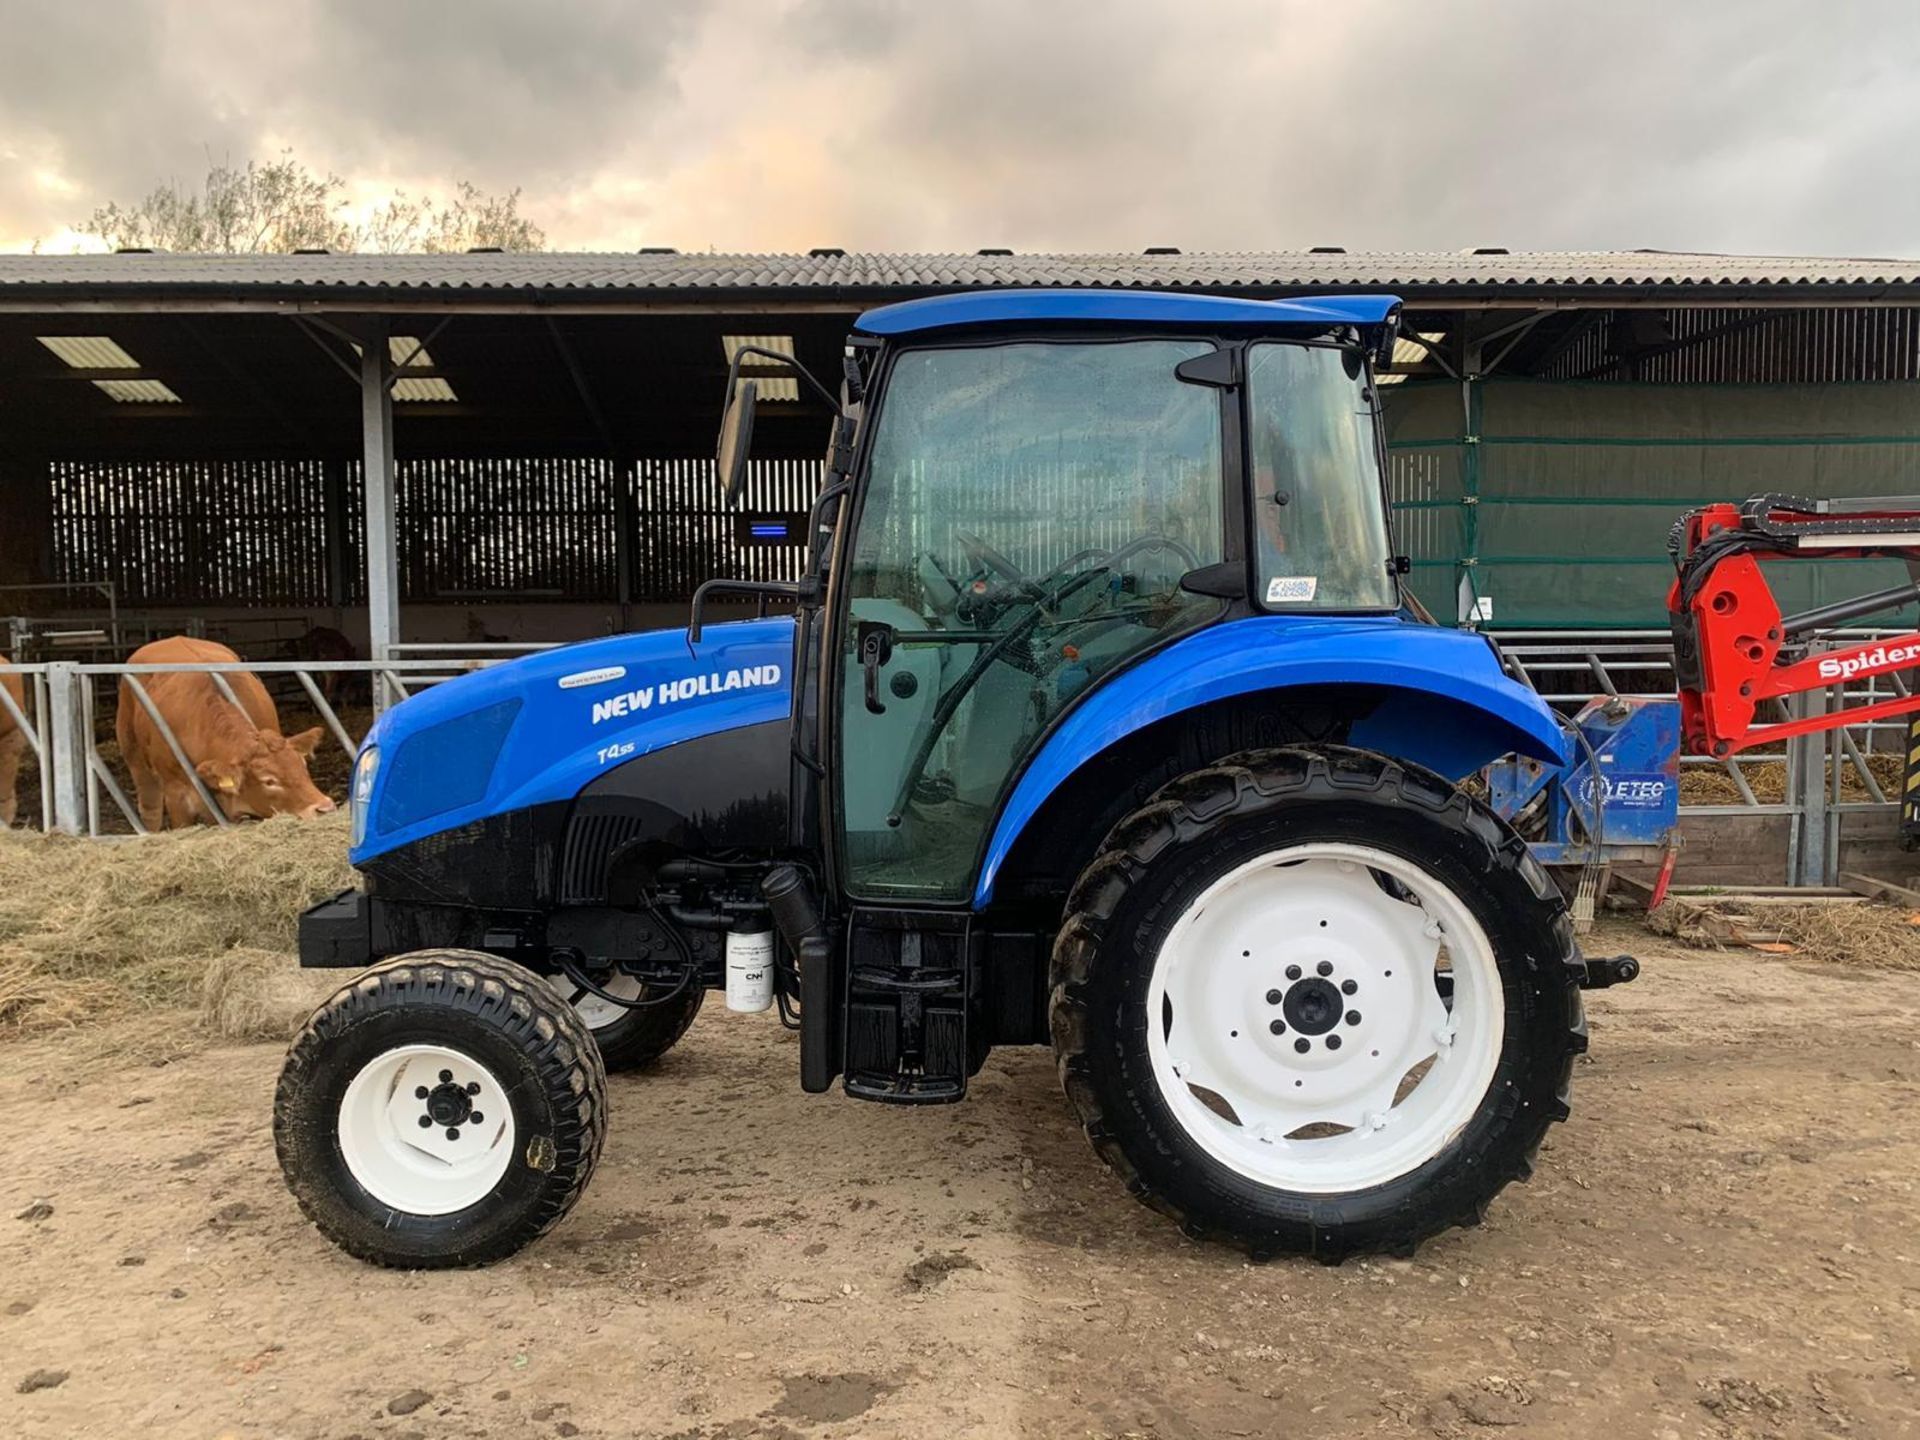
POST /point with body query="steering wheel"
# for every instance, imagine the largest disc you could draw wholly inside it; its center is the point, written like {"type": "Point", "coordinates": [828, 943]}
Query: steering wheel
{"type": "Point", "coordinates": [981, 555]}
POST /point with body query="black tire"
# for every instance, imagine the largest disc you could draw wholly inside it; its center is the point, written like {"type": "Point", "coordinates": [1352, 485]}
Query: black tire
{"type": "Point", "coordinates": [507, 1019]}
{"type": "Point", "coordinates": [642, 1035]}
{"type": "Point", "coordinates": [1198, 828]}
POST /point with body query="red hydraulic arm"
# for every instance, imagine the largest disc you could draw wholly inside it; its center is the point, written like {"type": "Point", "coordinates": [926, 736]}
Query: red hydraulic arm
{"type": "Point", "coordinates": [1733, 649]}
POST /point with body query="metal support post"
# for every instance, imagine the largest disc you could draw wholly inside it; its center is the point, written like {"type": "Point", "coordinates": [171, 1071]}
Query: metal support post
{"type": "Point", "coordinates": [1471, 609]}
{"type": "Point", "coordinates": [1808, 862]}
{"type": "Point", "coordinates": [67, 802]}
{"type": "Point", "coordinates": [376, 426]}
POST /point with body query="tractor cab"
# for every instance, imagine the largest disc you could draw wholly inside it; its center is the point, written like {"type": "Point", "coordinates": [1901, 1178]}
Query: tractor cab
{"type": "Point", "coordinates": [1041, 488]}
{"type": "Point", "coordinates": [1097, 719]}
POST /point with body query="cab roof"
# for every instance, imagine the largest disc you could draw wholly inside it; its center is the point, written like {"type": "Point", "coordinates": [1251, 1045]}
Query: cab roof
{"type": "Point", "coordinates": [1145, 308]}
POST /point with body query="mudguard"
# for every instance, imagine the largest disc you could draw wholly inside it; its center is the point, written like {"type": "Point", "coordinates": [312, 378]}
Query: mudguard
{"type": "Point", "coordinates": [1451, 707]}
{"type": "Point", "coordinates": [543, 727]}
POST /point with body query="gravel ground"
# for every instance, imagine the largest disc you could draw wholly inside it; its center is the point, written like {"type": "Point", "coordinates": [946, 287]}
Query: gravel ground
{"type": "Point", "coordinates": [1721, 1243]}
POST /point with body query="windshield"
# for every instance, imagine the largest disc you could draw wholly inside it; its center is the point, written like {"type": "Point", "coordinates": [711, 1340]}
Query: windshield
{"type": "Point", "coordinates": [1029, 512]}
{"type": "Point", "coordinates": [1319, 511]}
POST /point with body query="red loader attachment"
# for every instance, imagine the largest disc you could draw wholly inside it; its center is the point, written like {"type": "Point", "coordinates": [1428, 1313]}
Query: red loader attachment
{"type": "Point", "coordinates": [1733, 649]}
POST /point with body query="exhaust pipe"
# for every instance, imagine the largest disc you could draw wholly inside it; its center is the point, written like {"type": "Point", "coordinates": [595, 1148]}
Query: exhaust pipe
{"type": "Point", "coordinates": [798, 919]}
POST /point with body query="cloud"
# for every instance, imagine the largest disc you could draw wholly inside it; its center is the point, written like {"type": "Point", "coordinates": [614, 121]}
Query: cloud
{"type": "Point", "coordinates": [873, 124]}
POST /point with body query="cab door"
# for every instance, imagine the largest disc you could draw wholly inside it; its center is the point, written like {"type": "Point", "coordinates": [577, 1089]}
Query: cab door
{"type": "Point", "coordinates": [1028, 512]}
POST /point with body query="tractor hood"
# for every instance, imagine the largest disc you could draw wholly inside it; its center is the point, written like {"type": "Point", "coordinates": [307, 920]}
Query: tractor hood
{"type": "Point", "coordinates": [541, 728]}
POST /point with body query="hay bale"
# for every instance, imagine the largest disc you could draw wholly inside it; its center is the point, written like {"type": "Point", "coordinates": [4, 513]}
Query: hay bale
{"type": "Point", "coordinates": [90, 927]}
{"type": "Point", "coordinates": [250, 994]}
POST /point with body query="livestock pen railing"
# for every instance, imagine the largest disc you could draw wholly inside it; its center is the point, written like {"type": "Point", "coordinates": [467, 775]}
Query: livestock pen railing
{"type": "Point", "coordinates": [62, 721]}
{"type": "Point", "coordinates": [1813, 780]}
{"type": "Point", "coordinates": [31, 719]}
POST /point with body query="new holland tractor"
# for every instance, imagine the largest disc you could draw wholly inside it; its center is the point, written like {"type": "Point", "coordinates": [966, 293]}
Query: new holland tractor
{"type": "Point", "coordinates": [1098, 720]}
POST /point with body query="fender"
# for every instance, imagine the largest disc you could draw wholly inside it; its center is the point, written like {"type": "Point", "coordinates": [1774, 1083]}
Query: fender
{"type": "Point", "coordinates": [1452, 708]}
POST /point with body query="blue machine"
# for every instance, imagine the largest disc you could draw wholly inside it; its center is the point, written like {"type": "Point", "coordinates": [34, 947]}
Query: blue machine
{"type": "Point", "coordinates": [1616, 798]}
{"type": "Point", "coordinates": [1098, 721]}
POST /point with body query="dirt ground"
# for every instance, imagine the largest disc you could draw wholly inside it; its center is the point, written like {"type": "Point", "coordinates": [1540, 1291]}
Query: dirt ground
{"type": "Point", "coordinates": [1721, 1243]}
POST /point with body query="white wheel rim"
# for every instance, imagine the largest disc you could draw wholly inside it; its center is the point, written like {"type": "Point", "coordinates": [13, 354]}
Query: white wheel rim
{"type": "Point", "coordinates": [600, 1013]}
{"type": "Point", "coordinates": [1312, 924]}
{"type": "Point", "coordinates": [432, 1169]}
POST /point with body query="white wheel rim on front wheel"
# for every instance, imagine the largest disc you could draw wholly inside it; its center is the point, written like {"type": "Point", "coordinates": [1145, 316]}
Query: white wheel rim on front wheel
{"type": "Point", "coordinates": [434, 1168]}
{"type": "Point", "coordinates": [1238, 1018]}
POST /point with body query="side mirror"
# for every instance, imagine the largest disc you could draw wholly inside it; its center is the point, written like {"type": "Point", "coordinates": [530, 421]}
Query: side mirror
{"type": "Point", "coordinates": [736, 440]}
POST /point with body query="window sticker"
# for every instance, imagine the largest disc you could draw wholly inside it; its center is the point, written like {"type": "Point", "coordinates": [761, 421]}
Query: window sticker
{"type": "Point", "coordinates": [1291, 589]}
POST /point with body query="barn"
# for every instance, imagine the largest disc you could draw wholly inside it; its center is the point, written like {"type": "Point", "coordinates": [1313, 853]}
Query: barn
{"type": "Point", "coordinates": [440, 456]}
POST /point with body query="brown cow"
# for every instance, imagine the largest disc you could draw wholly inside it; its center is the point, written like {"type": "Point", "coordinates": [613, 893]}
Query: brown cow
{"type": "Point", "coordinates": [12, 745]}
{"type": "Point", "coordinates": [249, 767]}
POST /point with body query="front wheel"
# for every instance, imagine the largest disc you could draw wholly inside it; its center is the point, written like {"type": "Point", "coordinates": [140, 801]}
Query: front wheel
{"type": "Point", "coordinates": [443, 1108]}
{"type": "Point", "coordinates": [1316, 1001]}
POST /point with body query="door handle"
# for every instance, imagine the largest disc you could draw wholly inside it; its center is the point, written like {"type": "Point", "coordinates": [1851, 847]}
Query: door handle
{"type": "Point", "coordinates": [875, 643]}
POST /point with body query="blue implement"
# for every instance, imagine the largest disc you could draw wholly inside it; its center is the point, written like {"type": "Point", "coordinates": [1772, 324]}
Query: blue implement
{"type": "Point", "coordinates": [1615, 798]}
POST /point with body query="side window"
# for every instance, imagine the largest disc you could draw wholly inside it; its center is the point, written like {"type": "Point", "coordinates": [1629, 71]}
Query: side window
{"type": "Point", "coordinates": [1029, 512]}
{"type": "Point", "coordinates": [1320, 519]}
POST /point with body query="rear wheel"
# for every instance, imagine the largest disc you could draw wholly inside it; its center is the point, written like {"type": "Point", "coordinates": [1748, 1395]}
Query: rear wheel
{"type": "Point", "coordinates": [632, 1038]}
{"type": "Point", "coordinates": [1316, 1001]}
{"type": "Point", "coordinates": [443, 1108]}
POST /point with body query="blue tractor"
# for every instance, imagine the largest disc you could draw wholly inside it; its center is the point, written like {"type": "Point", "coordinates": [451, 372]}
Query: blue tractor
{"type": "Point", "coordinates": [1099, 720]}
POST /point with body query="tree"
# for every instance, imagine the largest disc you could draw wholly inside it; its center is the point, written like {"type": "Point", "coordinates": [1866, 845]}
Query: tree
{"type": "Point", "coordinates": [470, 219]}
{"type": "Point", "coordinates": [276, 206]}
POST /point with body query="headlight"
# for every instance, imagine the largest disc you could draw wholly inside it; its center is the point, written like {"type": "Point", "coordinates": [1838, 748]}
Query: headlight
{"type": "Point", "coordinates": [364, 769]}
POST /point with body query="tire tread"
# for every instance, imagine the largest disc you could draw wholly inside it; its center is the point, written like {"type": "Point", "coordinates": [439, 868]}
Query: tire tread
{"type": "Point", "coordinates": [1191, 807]}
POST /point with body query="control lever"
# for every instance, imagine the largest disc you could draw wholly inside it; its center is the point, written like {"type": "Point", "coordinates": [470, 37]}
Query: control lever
{"type": "Point", "coordinates": [874, 639]}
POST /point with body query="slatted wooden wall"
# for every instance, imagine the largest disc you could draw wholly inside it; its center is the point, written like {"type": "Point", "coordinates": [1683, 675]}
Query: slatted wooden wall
{"type": "Point", "coordinates": [539, 528]}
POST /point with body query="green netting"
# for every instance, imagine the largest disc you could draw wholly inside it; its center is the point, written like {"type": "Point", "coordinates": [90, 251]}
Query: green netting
{"type": "Point", "coordinates": [1559, 514]}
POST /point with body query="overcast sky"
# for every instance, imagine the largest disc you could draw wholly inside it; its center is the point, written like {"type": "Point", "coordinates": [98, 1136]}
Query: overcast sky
{"type": "Point", "coordinates": [1768, 126]}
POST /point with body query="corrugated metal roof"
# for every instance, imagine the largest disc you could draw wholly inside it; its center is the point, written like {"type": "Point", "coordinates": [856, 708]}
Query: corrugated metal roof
{"type": "Point", "coordinates": [138, 392]}
{"type": "Point", "coordinates": [89, 352]}
{"type": "Point", "coordinates": [866, 274]}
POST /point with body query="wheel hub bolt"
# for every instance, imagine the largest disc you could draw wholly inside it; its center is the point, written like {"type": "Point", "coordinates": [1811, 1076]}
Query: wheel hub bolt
{"type": "Point", "coordinates": [1313, 1006]}
{"type": "Point", "coordinates": [1274, 997]}
{"type": "Point", "coordinates": [1325, 967]}
{"type": "Point", "coordinates": [1293, 972]}
{"type": "Point", "coordinates": [1353, 1017]}
{"type": "Point", "coordinates": [1303, 1044]}
{"type": "Point", "coordinates": [1333, 1042]}
{"type": "Point", "coordinates": [1349, 987]}
{"type": "Point", "coordinates": [1278, 1027]}
{"type": "Point", "coordinates": [450, 1105]}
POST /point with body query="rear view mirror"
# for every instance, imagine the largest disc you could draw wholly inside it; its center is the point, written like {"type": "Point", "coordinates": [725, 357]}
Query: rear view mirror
{"type": "Point", "coordinates": [736, 440]}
